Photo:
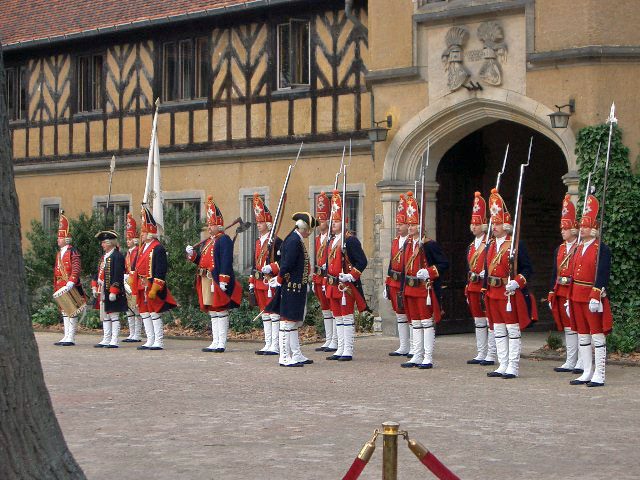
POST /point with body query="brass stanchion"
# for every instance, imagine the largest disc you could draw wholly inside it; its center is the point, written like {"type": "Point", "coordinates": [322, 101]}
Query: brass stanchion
{"type": "Point", "coordinates": [390, 450]}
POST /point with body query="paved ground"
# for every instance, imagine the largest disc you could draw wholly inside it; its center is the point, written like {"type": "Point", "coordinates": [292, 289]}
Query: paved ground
{"type": "Point", "coordinates": [184, 414]}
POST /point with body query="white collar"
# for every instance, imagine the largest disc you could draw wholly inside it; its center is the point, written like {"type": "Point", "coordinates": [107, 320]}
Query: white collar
{"type": "Point", "coordinates": [585, 245]}
{"type": "Point", "coordinates": [402, 240]}
{"type": "Point", "coordinates": [263, 238]}
{"type": "Point", "coordinates": [63, 250]}
{"type": "Point", "coordinates": [478, 241]}
{"type": "Point", "coordinates": [569, 245]}
{"type": "Point", "coordinates": [336, 239]}
{"type": "Point", "coordinates": [323, 236]}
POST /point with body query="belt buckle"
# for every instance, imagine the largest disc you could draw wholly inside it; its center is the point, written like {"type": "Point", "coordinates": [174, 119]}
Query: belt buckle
{"type": "Point", "coordinates": [257, 275]}
{"type": "Point", "coordinates": [394, 276]}
{"type": "Point", "coordinates": [473, 277]}
{"type": "Point", "coordinates": [411, 282]}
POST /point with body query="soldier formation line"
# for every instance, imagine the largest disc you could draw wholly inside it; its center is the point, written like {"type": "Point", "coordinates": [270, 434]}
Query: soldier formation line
{"type": "Point", "coordinates": [496, 291]}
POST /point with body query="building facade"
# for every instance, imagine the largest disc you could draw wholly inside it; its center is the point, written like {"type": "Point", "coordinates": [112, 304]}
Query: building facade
{"type": "Point", "coordinates": [242, 83]}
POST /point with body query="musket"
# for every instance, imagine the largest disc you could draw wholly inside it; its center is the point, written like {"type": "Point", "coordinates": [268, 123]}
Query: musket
{"type": "Point", "coordinates": [276, 218]}
{"type": "Point", "coordinates": [612, 120]}
{"type": "Point", "coordinates": [243, 227]}
{"type": "Point", "coordinates": [515, 238]}
{"type": "Point", "coordinates": [335, 187]}
{"type": "Point", "coordinates": [112, 168]}
{"type": "Point", "coordinates": [500, 173]}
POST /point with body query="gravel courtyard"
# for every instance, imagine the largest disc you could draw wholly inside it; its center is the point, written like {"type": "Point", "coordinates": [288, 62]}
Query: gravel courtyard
{"type": "Point", "coordinates": [181, 413]}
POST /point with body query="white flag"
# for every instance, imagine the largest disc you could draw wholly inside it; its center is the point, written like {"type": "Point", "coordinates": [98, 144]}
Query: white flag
{"type": "Point", "coordinates": [153, 189]}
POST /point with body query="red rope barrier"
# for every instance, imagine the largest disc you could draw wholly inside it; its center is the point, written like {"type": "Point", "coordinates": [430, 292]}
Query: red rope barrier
{"type": "Point", "coordinates": [430, 461]}
{"type": "Point", "coordinates": [362, 459]}
{"type": "Point", "coordinates": [356, 469]}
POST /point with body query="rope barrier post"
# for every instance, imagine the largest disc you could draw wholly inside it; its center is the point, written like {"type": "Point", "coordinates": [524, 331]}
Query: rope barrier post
{"type": "Point", "coordinates": [362, 459]}
{"type": "Point", "coordinates": [430, 461]}
{"type": "Point", "coordinates": [390, 450]}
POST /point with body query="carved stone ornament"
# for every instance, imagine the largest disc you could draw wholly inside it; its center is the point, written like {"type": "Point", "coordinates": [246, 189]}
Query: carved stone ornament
{"type": "Point", "coordinates": [494, 52]}
{"type": "Point", "coordinates": [452, 57]}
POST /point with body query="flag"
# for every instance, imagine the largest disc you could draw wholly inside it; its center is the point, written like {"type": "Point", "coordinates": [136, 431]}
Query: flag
{"type": "Point", "coordinates": [153, 188]}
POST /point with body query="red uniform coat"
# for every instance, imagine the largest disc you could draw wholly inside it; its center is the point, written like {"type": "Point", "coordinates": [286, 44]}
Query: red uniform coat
{"type": "Point", "coordinates": [319, 276]}
{"type": "Point", "coordinates": [395, 272]}
{"type": "Point", "coordinates": [414, 260]}
{"type": "Point", "coordinates": [130, 260]}
{"type": "Point", "coordinates": [586, 286]}
{"type": "Point", "coordinates": [336, 267]}
{"type": "Point", "coordinates": [150, 272]}
{"type": "Point", "coordinates": [562, 278]}
{"type": "Point", "coordinates": [473, 289]}
{"type": "Point", "coordinates": [67, 268]}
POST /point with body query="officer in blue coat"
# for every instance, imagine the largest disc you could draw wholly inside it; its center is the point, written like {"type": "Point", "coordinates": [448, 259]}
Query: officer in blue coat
{"type": "Point", "coordinates": [292, 285]}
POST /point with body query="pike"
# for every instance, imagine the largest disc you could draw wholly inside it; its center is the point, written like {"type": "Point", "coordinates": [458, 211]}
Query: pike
{"type": "Point", "coordinates": [343, 226]}
{"type": "Point", "coordinates": [335, 187]}
{"type": "Point", "coordinates": [587, 190]}
{"type": "Point", "coordinates": [112, 168]}
{"type": "Point", "coordinates": [612, 120]}
{"type": "Point", "coordinates": [423, 169]}
{"type": "Point", "coordinates": [515, 238]}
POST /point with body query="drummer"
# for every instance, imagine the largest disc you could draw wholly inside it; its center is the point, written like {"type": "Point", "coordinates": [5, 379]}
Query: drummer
{"type": "Point", "coordinates": [133, 315]}
{"type": "Point", "coordinates": [66, 276]}
{"type": "Point", "coordinates": [108, 288]}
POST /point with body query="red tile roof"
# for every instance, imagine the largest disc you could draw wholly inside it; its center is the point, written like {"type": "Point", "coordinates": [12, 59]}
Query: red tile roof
{"type": "Point", "coordinates": [27, 20]}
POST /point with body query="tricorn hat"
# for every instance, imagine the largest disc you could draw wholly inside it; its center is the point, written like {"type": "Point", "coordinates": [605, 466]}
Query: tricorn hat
{"type": "Point", "coordinates": [106, 235]}
{"type": "Point", "coordinates": [305, 217]}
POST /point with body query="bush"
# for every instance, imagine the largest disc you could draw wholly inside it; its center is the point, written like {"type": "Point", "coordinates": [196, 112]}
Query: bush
{"type": "Point", "coordinates": [554, 341]}
{"type": "Point", "coordinates": [90, 318]}
{"type": "Point", "coordinates": [364, 322]}
{"type": "Point", "coordinates": [47, 315]}
{"type": "Point", "coordinates": [621, 228]}
{"type": "Point", "coordinates": [189, 316]}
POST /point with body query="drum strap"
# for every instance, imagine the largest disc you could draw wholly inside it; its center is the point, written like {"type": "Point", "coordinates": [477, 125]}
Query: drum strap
{"type": "Point", "coordinates": [61, 269]}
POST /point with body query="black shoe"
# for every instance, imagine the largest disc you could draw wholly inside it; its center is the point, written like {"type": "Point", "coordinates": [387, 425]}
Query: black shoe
{"type": "Point", "coordinates": [595, 384]}
{"type": "Point", "coordinates": [99, 345]}
{"type": "Point", "coordinates": [308, 361]}
{"type": "Point", "coordinates": [67, 344]}
{"type": "Point", "coordinates": [578, 382]}
{"type": "Point", "coordinates": [259, 352]}
{"type": "Point", "coordinates": [409, 355]}
{"type": "Point", "coordinates": [127, 340]}
{"type": "Point", "coordinates": [135, 341]}
{"type": "Point", "coordinates": [111, 346]}
{"type": "Point", "coordinates": [269, 352]}
{"type": "Point", "coordinates": [494, 374]}
{"type": "Point", "coordinates": [396, 354]}
{"type": "Point", "coordinates": [474, 361]}
{"type": "Point", "coordinates": [333, 357]}
{"type": "Point", "coordinates": [218, 350]}
{"type": "Point", "coordinates": [210, 350]}
{"type": "Point", "coordinates": [425, 366]}
{"type": "Point", "coordinates": [156, 348]}
{"type": "Point", "coordinates": [487, 362]}
{"type": "Point", "coordinates": [408, 365]}
{"type": "Point", "coordinates": [577, 371]}
{"type": "Point", "coordinates": [321, 349]}
{"type": "Point", "coordinates": [142, 347]}
{"type": "Point", "coordinates": [562, 370]}
{"type": "Point", "coordinates": [59, 343]}
{"type": "Point", "coordinates": [509, 375]}
{"type": "Point", "coordinates": [330, 349]}
{"type": "Point", "coordinates": [299, 364]}
{"type": "Point", "coordinates": [345, 358]}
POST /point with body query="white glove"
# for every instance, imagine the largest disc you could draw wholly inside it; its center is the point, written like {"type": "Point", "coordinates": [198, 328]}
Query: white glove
{"type": "Point", "coordinates": [384, 294]}
{"type": "Point", "coordinates": [594, 305]}
{"type": "Point", "coordinates": [324, 288]}
{"type": "Point", "coordinates": [126, 277]}
{"type": "Point", "coordinates": [112, 297]}
{"type": "Point", "coordinates": [94, 291]}
{"type": "Point", "coordinates": [223, 286]}
{"type": "Point", "coordinates": [566, 308]}
{"type": "Point", "coordinates": [512, 286]}
{"type": "Point", "coordinates": [273, 282]}
{"type": "Point", "coordinates": [266, 269]}
{"type": "Point", "coordinates": [70, 285]}
{"type": "Point", "coordinates": [251, 286]}
{"type": "Point", "coordinates": [423, 274]}
{"type": "Point", "coordinates": [189, 250]}
{"type": "Point", "coordinates": [346, 277]}
{"type": "Point", "coordinates": [550, 307]}
{"type": "Point", "coordinates": [481, 274]}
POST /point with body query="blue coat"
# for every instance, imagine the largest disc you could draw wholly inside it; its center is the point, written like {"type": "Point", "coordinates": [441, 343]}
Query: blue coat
{"type": "Point", "coordinates": [294, 272]}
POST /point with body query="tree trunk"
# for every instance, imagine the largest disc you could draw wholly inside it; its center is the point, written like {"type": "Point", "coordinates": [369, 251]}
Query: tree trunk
{"type": "Point", "coordinates": [31, 442]}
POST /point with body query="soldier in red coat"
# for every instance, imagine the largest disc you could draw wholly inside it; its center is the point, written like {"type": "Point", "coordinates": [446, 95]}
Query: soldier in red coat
{"type": "Point", "coordinates": [216, 285]}
{"type": "Point", "coordinates": [344, 289]}
{"type": "Point", "coordinates": [66, 275]}
{"type": "Point", "coordinates": [588, 300]}
{"type": "Point", "coordinates": [510, 306]}
{"type": "Point", "coordinates": [423, 261]}
{"type": "Point", "coordinates": [323, 210]}
{"type": "Point", "coordinates": [561, 278]}
{"type": "Point", "coordinates": [395, 277]}
{"type": "Point", "coordinates": [133, 316]}
{"type": "Point", "coordinates": [152, 294]}
{"type": "Point", "coordinates": [264, 267]}
{"type": "Point", "coordinates": [485, 340]}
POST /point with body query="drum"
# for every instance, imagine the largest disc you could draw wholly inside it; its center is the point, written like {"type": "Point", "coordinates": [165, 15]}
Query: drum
{"type": "Point", "coordinates": [205, 286]}
{"type": "Point", "coordinates": [71, 302]}
{"type": "Point", "coordinates": [131, 298]}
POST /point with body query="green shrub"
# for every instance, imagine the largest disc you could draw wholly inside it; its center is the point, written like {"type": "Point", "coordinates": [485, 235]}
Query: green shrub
{"type": "Point", "coordinates": [554, 341]}
{"type": "Point", "coordinates": [621, 227]}
{"type": "Point", "coordinates": [90, 318]}
{"type": "Point", "coordinates": [241, 319]}
{"type": "Point", "coordinates": [364, 322]}
{"type": "Point", "coordinates": [189, 316]}
{"type": "Point", "coordinates": [47, 315]}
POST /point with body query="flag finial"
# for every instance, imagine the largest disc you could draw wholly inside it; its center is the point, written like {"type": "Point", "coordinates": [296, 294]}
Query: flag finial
{"type": "Point", "coordinates": [612, 115]}
{"type": "Point", "coordinates": [112, 167]}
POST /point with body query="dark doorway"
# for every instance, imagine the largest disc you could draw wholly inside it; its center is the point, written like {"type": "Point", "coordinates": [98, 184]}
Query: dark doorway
{"type": "Point", "coordinates": [472, 164]}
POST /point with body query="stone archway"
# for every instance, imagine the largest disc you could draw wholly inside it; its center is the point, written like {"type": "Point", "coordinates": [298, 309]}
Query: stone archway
{"type": "Point", "coordinates": [443, 124]}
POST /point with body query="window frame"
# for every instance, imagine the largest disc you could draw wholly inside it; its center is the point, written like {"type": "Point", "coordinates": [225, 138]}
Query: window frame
{"type": "Point", "coordinates": [97, 105]}
{"type": "Point", "coordinates": [292, 53]}
{"type": "Point", "coordinates": [47, 205]}
{"type": "Point", "coordinates": [119, 213]}
{"type": "Point", "coordinates": [199, 70]}
{"type": "Point", "coordinates": [248, 239]}
{"type": "Point", "coordinates": [20, 95]}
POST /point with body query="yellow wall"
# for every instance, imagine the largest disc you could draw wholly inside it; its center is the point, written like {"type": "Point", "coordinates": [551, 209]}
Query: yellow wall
{"type": "Point", "coordinates": [390, 24]}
